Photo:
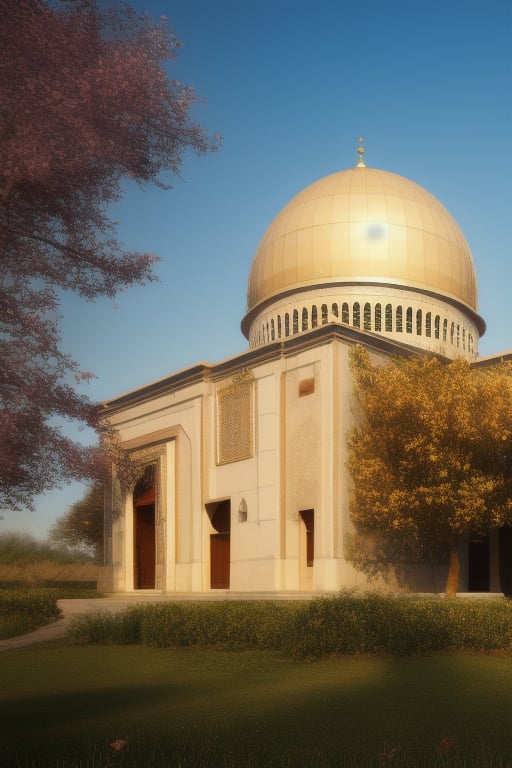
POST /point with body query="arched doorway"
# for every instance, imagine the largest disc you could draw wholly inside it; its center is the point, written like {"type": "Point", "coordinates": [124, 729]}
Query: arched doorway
{"type": "Point", "coordinates": [144, 532]}
{"type": "Point", "coordinates": [220, 544]}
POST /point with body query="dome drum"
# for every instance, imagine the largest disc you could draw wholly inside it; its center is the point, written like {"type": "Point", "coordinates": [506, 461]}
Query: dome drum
{"type": "Point", "coordinates": [405, 316]}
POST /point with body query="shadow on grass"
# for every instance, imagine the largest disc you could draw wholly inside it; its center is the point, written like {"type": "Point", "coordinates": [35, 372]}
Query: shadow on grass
{"type": "Point", "coordinates": [200, 707]}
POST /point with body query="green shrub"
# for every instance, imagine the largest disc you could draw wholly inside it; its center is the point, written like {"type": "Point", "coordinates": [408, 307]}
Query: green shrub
{"type": "Point", "coordinates": [401, 626]}
{"type": "Point", "coordinates": [105, 628]}
{"type": "Point", "coordinates": [343, 624]}
{"type": "Point", "coordinates": [232, 624]}
{"type": "Point", "coordinates": [24, 610]}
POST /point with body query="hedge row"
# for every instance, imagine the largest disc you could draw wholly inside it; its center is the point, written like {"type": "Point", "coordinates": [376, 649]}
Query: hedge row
{"type": "Point", "coordinates": [22, 610]}
{"type": "Point", "coordinates": [31, 602]}
{"type": "Point", "coordinates": [344, 624]}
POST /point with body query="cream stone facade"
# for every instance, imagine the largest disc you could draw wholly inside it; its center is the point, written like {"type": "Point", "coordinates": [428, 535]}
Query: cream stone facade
{"type": "Point", "coordinates": [242, 482]}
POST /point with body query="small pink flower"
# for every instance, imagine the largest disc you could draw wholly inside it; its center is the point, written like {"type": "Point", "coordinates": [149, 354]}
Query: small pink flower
{"type": "Point", "coordinates": [388, 753]}
{"type": "Point", "coordinates": [446, 744]}
{"type": "Point", "coordinates": [119, 744]}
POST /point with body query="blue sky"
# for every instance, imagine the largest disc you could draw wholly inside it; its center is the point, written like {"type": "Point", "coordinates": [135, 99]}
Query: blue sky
{"type": "Point", "coordinates": [291, 85]}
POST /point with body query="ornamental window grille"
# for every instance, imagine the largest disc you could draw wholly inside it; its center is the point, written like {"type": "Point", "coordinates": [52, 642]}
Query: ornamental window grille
{"type": "Point", "coordinates": [234, 422]}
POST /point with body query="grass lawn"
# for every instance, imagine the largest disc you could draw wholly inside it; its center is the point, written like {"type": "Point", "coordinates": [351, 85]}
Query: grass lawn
{"type": "Point", "coordinates": [62, 705]}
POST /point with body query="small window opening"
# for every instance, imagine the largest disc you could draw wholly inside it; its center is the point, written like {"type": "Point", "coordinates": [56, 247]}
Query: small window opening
{"type": "Point", "coordinates": [378, 317]}
{"type": "Point", "coordinates": [367, 317]}
{"type": "Point", "coordinates": [408, 320]}
{"type": "Point", "coordinates": [306, 387]}
{"type": "Point", "coordinates": [389, 317]}
{"type": "Point", "coordinates": [428, 324]}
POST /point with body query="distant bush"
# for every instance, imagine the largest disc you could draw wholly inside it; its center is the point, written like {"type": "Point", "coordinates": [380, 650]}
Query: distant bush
{"type": "Point", "coordinates": [23, 549]}
{"type": "Point", "coordinates": [25, 560]}
{"type": "Point", "coordinates": [24, 610]}
{"type": "Point", "coordinates": [344, 624]}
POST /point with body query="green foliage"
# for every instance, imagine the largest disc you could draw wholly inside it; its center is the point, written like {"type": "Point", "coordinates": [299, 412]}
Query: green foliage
{"type": "Point", "coordinates": [230, 624]}
{"type": "Point", "coordinates": [345, 624]}
{"type": "Point", "coordinates": [105, 628]}
{"type": "Point", "coordinates": [24, 610]}
{"type": "Point", "coordinates": [23, 549]}
{"type": "Point", "coordinates": [81, 528]}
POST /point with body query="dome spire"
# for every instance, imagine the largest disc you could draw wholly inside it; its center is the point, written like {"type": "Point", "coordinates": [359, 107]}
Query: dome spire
{"type": "Point", "coordinates": [361, 163]}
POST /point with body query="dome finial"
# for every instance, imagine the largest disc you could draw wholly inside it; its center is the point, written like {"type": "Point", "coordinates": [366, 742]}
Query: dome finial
{"type": "Point", "coordinates": [361, 163]}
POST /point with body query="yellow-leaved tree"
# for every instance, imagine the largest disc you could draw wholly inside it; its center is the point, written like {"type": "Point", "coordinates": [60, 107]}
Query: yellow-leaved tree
{"type": "Point", "coordinates": [430, 458]}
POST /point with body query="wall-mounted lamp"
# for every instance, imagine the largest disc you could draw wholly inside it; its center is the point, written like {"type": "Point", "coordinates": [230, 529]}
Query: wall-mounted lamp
{"type": "Point", "coordinates": [242, 511]}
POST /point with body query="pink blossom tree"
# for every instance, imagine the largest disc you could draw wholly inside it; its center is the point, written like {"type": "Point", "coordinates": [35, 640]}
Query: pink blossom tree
{"type": "Point", "coordinates": [85, 102]}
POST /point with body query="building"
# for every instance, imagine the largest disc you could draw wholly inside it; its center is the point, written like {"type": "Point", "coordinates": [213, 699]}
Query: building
{"type": "Point", "coordinates": [242, 478]}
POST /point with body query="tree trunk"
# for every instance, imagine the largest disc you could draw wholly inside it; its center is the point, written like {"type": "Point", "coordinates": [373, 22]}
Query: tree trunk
{"type": "Point", "coordinates": [452, 581]}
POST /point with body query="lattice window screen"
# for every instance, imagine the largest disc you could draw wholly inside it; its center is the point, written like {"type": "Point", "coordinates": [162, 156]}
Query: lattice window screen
{"type": "Point", "coordinates": [234, 423]}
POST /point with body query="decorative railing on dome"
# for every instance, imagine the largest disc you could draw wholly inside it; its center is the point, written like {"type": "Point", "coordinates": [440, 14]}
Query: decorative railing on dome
{"type": "Point", "coordinates": [372, 316]}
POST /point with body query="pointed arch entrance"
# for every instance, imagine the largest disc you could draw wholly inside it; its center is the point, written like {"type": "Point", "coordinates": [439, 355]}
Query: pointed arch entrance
{"type": "Point", "coordinates": [220, 544]}
{"type": "Point", "coordinates": [144, 531]}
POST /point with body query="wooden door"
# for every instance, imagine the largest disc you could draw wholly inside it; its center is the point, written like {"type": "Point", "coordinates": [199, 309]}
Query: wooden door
{"type": "Point", "coordinates": [219, 560]}
{"type": "Point", "coordinates": [145, 547]}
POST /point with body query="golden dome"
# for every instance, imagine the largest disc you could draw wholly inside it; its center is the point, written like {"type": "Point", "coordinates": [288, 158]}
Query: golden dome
{"type": "Point", "coordinates": [363, 226]}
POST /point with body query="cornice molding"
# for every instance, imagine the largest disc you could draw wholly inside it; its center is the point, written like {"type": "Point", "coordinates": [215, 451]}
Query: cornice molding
{"type": "Point", "coordinates": [206, 372]}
